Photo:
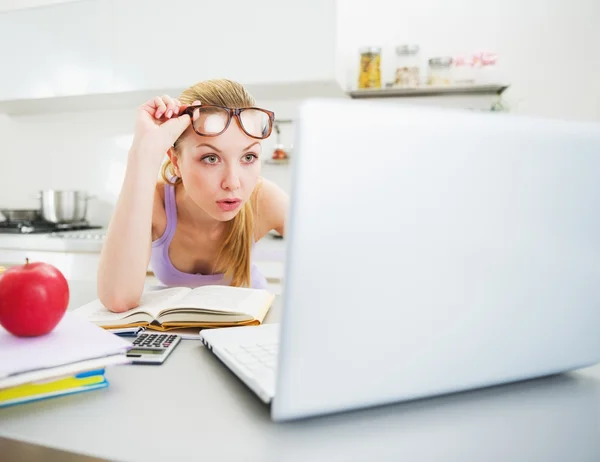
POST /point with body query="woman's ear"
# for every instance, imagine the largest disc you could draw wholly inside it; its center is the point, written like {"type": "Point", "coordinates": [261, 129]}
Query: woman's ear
{"type": "Point", "coordinates": [174, 161]}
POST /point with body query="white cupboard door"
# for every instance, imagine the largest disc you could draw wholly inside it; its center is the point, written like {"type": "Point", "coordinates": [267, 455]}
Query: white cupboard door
{"type": "Point", "coordinates": [57, 50]}
{"type": "Point", "coordinates": [173, 44]}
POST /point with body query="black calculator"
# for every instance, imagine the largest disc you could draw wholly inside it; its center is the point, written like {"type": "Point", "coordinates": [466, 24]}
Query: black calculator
{"type": "Point", "coordinates": [150, 348]}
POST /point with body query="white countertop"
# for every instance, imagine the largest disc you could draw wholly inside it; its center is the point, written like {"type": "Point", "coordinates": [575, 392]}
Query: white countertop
{"type": "Point", "coordinates": [90, 241]}
{"type": "Point", "coordinates": [213, 416]}
{"type": "Point", "coordinates": [64, 241]}
{"type": "Point", "coordinates": [270, 248]}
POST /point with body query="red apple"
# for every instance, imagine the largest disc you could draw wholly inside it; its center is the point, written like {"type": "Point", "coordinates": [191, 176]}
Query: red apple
{"type": "Point", "coordinates": [33, 299]}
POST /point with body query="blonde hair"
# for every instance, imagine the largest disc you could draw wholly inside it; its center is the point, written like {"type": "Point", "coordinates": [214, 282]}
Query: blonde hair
{"type": "Point", "coordinates": [234, 257]}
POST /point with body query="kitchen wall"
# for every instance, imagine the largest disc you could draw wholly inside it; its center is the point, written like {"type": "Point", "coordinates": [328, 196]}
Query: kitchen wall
{"type": "Point", "coordinates": [549, 50]}
{"type": "Point", "coordinates": [87, 150]}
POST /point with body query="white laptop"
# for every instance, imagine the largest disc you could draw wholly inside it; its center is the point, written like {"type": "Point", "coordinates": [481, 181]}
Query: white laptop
{"type": "Point", "coordinates": [429, 251]}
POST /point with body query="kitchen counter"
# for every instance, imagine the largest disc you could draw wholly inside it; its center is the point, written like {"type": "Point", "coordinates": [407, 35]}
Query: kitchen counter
{"type": "Point", "coordinates": [77, 253]}
{"type": "Point", "coordinates": [65, 241]}
{"type": "Point", "coordinates": [212, 416]}
{"type": "Point", "coordinates": [268, 248]}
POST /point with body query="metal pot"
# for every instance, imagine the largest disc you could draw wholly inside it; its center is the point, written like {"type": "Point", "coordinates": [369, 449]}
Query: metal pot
{"type": "Point", "coordinates": [14, 215]}
{"type": "Point", "coordinates": [63, 206]}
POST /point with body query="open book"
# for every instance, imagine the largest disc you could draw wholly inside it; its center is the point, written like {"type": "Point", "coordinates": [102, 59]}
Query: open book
{"type": "Point", "coordinates": [179, 307]}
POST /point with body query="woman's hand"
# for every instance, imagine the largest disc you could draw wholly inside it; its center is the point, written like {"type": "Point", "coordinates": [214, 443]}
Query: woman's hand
{"type": "Point", "coordinates": [157, 127]}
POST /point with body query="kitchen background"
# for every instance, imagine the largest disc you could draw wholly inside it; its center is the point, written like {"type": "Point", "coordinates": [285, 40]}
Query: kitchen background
{"type": "Point", "coordinates": [544, 48]}
{"type": "Point", "coordinates": [73, 72]}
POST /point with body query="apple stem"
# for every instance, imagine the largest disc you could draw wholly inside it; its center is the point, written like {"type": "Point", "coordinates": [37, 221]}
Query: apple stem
{"type": "Point", "coordinates": [27, 261]}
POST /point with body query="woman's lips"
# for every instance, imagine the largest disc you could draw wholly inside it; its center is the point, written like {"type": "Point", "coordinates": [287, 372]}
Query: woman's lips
{"type": "Point", "coordinates": [227, 205]}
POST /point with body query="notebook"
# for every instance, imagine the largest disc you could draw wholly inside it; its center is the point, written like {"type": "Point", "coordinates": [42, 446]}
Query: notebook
{"type": "Point", "coordinates": [61, 386]}
{"type": "Point", "coordinates": [75, 345]}
{"type": "Point", "coordinates": [183, 307]}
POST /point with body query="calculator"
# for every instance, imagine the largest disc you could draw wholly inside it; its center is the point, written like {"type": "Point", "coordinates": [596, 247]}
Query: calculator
{"type": "Point", "coordinates": [151, 348]}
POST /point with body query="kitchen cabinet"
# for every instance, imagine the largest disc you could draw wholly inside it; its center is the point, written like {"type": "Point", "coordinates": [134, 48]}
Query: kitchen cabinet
{"type": "Point", "coordinates": [76, 266]}
{"type": "Point", "coordinates": [176, 43]}
{"type": "Point", "coordinates": [102, 53]}
{"type": "Point", "coordinates": [56, 50]}
{"type": "Point", "coordinates": [78, 259]}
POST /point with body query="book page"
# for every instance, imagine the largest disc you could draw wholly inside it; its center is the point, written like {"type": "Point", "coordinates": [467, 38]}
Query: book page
{"type": "Point", "coordinates": [224, 299]}
{"type": "Point", "coordinates": [150, 302]}
{"type": "Point", "coordinates": [153, 302]}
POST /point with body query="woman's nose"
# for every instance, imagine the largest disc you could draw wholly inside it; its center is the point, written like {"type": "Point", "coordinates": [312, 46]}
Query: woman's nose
{"type": "Point", "coordinates": [231, 180]}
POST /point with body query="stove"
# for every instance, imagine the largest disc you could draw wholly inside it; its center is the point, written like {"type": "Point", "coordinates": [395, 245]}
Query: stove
{"type": "Point", "coordinates": [42, 227]}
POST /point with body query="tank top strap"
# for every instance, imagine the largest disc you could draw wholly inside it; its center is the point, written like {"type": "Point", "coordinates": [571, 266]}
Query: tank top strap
{"type": "Point", "coordinates": [171, 213]}
{"type": "Point", "coordinates": [170, 206]}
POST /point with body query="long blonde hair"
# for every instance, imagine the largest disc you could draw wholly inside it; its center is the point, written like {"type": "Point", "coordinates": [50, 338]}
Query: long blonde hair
{"type": "Point", "coordinates": [234, 256]}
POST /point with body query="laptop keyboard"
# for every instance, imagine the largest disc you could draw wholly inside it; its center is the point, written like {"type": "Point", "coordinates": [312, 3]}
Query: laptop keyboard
{"type": "Point", "coordinates": [260, 360]}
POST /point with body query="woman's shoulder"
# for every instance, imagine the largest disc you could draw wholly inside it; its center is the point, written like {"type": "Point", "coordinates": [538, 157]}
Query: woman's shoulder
{"type": "Point", "coordinates": [270, 206]}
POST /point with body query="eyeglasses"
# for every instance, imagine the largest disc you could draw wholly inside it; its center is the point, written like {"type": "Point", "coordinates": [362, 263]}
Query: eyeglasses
{"type": "Point", "coordinates": [214, 120]}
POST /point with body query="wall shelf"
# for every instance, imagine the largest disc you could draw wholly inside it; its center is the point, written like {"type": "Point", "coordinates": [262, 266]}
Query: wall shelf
{"type": "Point", "coordinates": [277, 161]}
{"type": "Point", "coordinates": [476, 89]}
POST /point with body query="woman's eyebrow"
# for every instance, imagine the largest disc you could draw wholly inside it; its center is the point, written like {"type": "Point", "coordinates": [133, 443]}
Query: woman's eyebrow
{"type": "Point", "coordinates": [209, 146]}
{"type": "Point", "coordinates": [253, 144]}
{"type": "Point", "coordinates": [219, 151]}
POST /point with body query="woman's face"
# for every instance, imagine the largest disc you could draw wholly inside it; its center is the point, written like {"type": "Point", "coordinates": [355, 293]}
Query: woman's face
{"type": "Point", "coordinates": [220, 172]}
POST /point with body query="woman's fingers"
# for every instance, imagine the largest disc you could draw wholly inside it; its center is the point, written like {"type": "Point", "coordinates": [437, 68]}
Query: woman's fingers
{"type": "Point", "coordinates": [175, 127]}
{"type": "Point", "coordinates": [167, 107]}
{"type": "Point", "coordinates": [161, 107]}
{"type": "Point", "coordinates": [171, 106]}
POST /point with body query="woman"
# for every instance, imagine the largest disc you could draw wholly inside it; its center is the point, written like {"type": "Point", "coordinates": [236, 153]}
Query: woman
{"type": "Point", "coordinates": [198, 224]}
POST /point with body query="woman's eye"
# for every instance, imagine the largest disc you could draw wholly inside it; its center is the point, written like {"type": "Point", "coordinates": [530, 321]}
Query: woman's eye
{"type": "Point", "coordinates": [210, 159]}
{"type": "Point", "coordinates": [250, 157]}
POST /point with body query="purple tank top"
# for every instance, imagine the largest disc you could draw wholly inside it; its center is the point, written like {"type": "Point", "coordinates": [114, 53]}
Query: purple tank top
{"type": "Point", "coordinates": [169, 275]}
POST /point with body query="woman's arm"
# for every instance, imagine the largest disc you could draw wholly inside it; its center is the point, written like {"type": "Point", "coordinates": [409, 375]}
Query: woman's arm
{"type": "Point", "coordinates": [273, 203]}
{"type": "Point", "coordinates": [126, 251]}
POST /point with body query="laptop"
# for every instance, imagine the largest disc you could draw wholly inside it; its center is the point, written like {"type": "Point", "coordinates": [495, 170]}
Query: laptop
{"type": "Point", "coordinates": [429, 251]}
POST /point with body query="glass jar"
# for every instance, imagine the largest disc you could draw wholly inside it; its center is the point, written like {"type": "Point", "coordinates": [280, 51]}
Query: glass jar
{"type": "Point", "coordinates": [462, 72]}
{"type": "Point", "coordinates": [407, 66]}
{"type": "Point", "coordinates": [440, 71]}
{"type": "Point", "coordinates": [370, 68]}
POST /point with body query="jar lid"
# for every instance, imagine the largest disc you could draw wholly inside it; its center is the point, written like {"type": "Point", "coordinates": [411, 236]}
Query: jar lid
{"type": "Point", "coordinates": [375, 50]}
{"type": "Point", "coordinates": [441, 61]}
{"type": "Point", "coordinates": [409, 49]}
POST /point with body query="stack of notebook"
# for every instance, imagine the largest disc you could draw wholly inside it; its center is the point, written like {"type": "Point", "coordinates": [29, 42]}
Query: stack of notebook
{"type": "Point", "coordinates": [35, 391]}
{"type": "Point", "coordinates": [73, 358]}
